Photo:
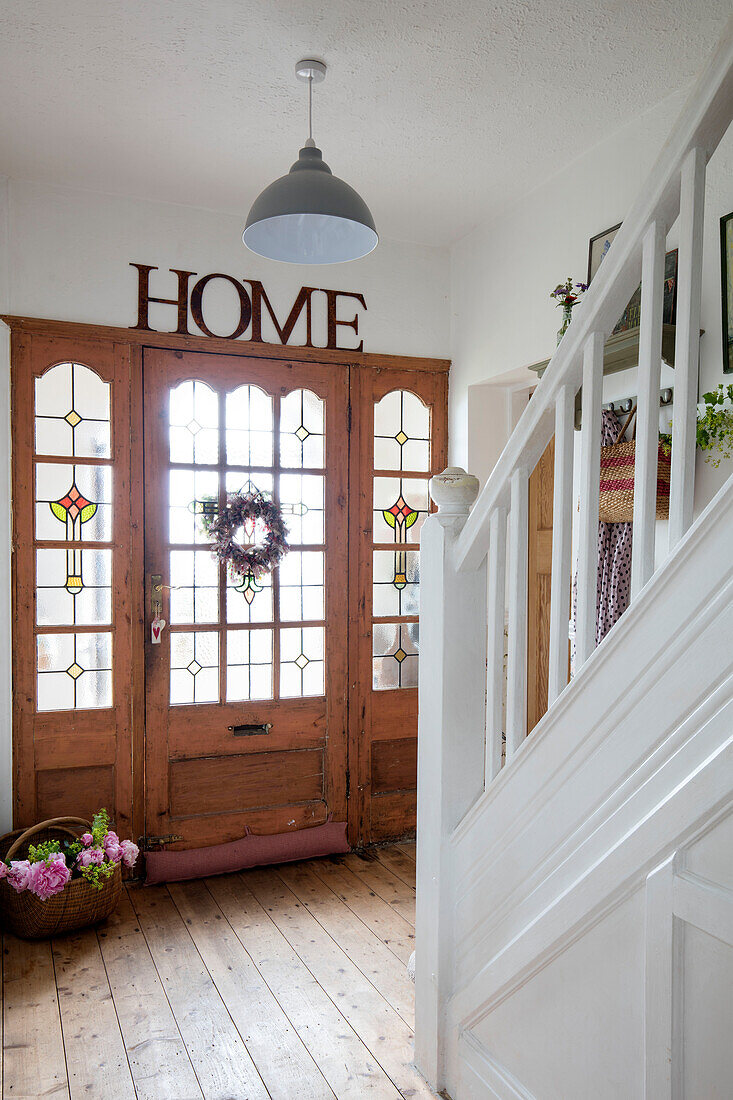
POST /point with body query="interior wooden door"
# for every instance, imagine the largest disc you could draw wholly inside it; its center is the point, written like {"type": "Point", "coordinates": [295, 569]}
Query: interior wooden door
{"type": "Point", "coordinates": [541, 485]}
{"type": "Point", "coordinates": [399, 439]}
{"type": "Point", "coordinates": [247, 690]}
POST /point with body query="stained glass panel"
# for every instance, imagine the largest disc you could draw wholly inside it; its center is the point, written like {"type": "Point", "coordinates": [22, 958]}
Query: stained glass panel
{"type": "Point", "coordinates": [249, 599]}
{"type": "Point", "coordinates": [394, 661]}
{"type": "Point", "coordinates": [301, 430]}
{"type": "Point", "coordinates": [249, 437]}
{"type": "Point", "coordinates": [301, 497]}
{"type": "Point", "coordinates": [396, 580]}
{"type": "Point", "coordinates": [194, 580]}
{"type": "Point", "coordinates": [400, 508]}
{"type": "Point", "coordinates": [301, 586]}
{"type": "Point", "coordinates": [74, 671]}
{"type": "Point", "coordinates": [194, 423]}
{"type": "Point", "coordinates": [194, 667]}
{"type": "Point", "coordinates": [249, 665]}
{"type": "Point", "coordinates": [401, 432]}
{"type": "Point", "coordinates": [192, 494]}
{"type": "Point", "coordinates": [73, 587]}
{"type": "Point", "coordinates": [72, 412]}
{"type": "Point", "coordinates": [301, 662]}
{"type": "Point", "coordinates": [73, 503]}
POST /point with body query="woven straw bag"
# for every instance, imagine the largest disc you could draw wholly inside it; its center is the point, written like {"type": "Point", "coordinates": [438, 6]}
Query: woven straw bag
{"type": "Point", "coordinates": [78, 905]}
{"type": "Point", "coordinates": [618, 461]}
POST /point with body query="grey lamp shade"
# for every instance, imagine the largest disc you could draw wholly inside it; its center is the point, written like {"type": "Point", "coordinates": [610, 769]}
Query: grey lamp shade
{"type": "Point", "coordinates": [310, 216]}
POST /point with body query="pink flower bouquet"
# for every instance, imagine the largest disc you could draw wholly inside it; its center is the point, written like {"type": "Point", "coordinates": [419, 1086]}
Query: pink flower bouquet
{"type": "Point", "coordinates": [53, 863]}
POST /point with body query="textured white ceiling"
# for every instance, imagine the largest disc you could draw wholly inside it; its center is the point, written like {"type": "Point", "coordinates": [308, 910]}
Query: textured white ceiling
{"type": "Point", "coordinates": [437, 112]}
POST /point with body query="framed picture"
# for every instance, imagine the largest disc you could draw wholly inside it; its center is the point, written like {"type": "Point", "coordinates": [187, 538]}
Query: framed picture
{"type": "Point", "coordinates": [598, 248]}
{"type": "Point", "coordinates": [726, 284]}
{"type": "Point", "coordinates": [631, 316]}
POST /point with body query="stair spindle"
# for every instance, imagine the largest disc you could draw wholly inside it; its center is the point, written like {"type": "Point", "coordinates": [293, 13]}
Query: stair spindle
{"type": "Point", "coordinates": [647, 413]}
{"type": "Point", "coordinates": [687, 344]}
{"type": "Point", "coordinates": [495, 641]}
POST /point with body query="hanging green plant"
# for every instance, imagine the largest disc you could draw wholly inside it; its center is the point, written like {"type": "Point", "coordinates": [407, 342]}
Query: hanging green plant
{"type": "Point", "coordinates": [714, 426]}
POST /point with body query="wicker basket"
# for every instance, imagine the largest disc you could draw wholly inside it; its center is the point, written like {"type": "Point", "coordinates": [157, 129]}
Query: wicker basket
{"type": "Point", "coordinates": [78, 905]}
{"type": "Point", "coordinates": [618, 462]}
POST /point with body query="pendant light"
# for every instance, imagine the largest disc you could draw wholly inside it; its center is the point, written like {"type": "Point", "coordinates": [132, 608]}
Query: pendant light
{"type": "Point", "coordinates": [310, 216]}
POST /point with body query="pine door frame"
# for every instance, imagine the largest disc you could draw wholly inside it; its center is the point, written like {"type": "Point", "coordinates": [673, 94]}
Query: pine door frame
{"type": "Point", "coordinates": [127, 345]}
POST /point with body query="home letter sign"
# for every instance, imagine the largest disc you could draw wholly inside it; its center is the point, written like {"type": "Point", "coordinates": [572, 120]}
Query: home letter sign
{"type": "Point", "coordinates": [251, 304]}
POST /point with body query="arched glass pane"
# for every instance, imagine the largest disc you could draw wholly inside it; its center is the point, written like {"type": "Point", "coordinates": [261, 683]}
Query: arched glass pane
{"type": "Point", "coordinates": [72, 412]}
{"type": "Point", "coordinates": [302, 430]}
{"type": "Point", "coordinates": [193, 417]}
{"type": "Point", "coordinates": [401, 432]}
{"type": "Point", "coordinates": [249, 427]}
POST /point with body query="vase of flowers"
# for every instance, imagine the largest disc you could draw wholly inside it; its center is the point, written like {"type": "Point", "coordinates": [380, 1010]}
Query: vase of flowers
{"type": "Point", "coordinates": [567, 295]}
{"type": "Point", "coordinates": [61, 875]}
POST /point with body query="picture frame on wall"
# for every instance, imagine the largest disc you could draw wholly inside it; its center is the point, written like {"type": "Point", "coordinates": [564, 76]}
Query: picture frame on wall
{"type": "Point", "coordinates": [631, 317]}
{"type": "Point", "coordinates": [726, 286]}
{"type": "Point", "coordinates": [597, 249]}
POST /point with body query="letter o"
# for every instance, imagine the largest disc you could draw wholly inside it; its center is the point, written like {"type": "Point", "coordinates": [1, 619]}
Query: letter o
{"type": "Point", "coordinates": [245, 306]}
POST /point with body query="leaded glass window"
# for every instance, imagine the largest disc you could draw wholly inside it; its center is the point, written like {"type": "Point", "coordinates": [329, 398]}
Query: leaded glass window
{"type": "Point", "coordinates": [227, 641]}
{"type": "Point", "coordinates": [73, 526]}
{"type": "Point", "coordinates": [402, 459]}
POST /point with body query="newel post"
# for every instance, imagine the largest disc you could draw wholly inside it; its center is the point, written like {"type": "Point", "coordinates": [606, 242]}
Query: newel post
{"type": "Point", "coordinates": [450, 748]}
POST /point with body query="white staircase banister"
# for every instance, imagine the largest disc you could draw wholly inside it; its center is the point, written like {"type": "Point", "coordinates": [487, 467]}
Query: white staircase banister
{"type": "Point", "coordinates": [703, 121]}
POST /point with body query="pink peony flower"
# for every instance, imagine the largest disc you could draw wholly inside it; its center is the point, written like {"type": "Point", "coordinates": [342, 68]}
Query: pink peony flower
{"type": "Point", "coordinates": [112, 847]}
{"type": "Point", "coordinates": [3, 870]}
{"type": "Point", "coordinates": [48, 877]}
{"type": "Point", "coordinates": [86, 839]}
{"type": "Point", "coordinates": [19, 875]}
{"type": "Point", "coordinates": [89, 856]}
{"type": "Point", "coordinates": [130, 852]}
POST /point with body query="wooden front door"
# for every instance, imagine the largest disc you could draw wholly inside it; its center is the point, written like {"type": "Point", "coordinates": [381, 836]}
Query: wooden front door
{"type": "Point", "coordinates": [267, 705]}
{"type": "Point", "coordinates": [244, 727]}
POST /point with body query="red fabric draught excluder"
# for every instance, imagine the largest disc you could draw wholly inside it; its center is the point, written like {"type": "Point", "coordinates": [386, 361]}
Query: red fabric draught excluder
{"type": "Point", "coordinates": [251, 851]}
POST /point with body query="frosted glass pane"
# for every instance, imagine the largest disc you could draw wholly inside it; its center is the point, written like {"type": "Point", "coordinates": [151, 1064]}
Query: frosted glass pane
{"type": "Point", "coordinates": [239, 481]}
{"type": "Point", "coordinates": [396, 580]}
{"type": "Point", "coordinates": [72, 412]}
{"type": "Point", "coordinates": [400, 508]}
{"type": "Point", "coordinates": [302, 666]}
{"type": "Point", "coordinates": [395, 660]}
{"type": "Point", "coordinates": [194, 423]}
{"type": "Point", "coordinates": [194, 667]}
{"type": "Point", "coordinates": [192, 494]}
{"type": "Point", "coordinates": [74, 671]}
{"type": "Point", "coordinates": [249, 599]}
{"type": "Point", "coordinates": [301, 586]}
{"type": "Point", "coordinates": [401, 432]}
{"type": "Point", "coordinates": [302, 430]}
{"type": "Point", "coordinates": [73, 587]}
{"type": "Point", "coordinates": [249, 664]}
{"type": "Point", "coordinates": [194, 580]}
{"type": "Point", "coordinates": [301, 496]}
{"type": "Point", "coordinates": [73, 502]}
{"type": "Point", "coordinates": [249, 435]}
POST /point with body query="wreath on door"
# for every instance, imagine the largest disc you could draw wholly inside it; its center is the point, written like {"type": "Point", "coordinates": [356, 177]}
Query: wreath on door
{"type": "Point", "coordinates": [242, 512]}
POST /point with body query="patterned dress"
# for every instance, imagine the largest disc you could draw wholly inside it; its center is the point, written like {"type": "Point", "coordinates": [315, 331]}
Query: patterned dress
{"type": "Point", "coordinates": [614, 560]}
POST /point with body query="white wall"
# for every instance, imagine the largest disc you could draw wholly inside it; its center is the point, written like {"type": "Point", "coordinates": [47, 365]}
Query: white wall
{"type": "Point", "coordinates": [65, 255]}
{"type": "Point", "coordinates": [502, 317]}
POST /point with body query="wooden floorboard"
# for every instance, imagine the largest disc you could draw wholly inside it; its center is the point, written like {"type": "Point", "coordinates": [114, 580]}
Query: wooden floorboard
{"type": "Point", "coordinates": [34, 1062]}
{"type": "Point", "coordinates": [273, 984]}
{"type": "Point", "coordinates": [96, 1059]}
{"type": "Point", "coordinates": [397, 862]}
{"type": "Point", "coordinates": [157, 1055]}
